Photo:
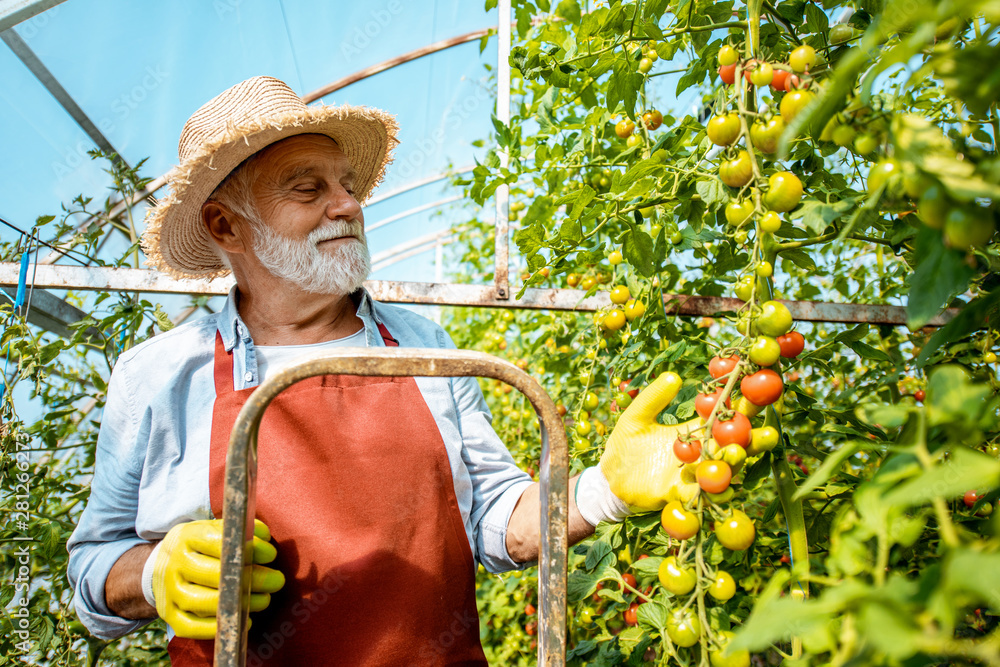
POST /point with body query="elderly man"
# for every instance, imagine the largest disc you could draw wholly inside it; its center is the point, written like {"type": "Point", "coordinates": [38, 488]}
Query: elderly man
{"type": "Point", "coordinates": [380, 494]}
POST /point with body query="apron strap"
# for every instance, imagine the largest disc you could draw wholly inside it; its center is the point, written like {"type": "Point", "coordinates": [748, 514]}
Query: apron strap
{"type": "Point", "coordinates": [387, 337]}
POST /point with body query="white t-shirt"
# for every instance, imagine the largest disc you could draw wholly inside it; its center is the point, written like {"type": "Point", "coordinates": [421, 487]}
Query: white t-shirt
{"type": "Point", "coordinates": [273, 358]}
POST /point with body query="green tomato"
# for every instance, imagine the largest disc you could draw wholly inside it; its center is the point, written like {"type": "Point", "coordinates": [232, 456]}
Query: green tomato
{"type": "Point", "coordinates": [844, 135]}
{"type": "Point", "coordinates": [933, 206]}
{"type": "Point", "coordinates": [728, 55]}
{"type": "Point", "coordinates": [591, 401]}
{"type": "Point", "coordinates": [724, 497]}
{"type": "Point", "coordinates": [762, 439]}
{"type": "Point", "coordinates": [764, 270]}
{"type": "Point", "coordinates": [723, 658]}
{"type": "Point", "coordinates": [723, 586]}
{"type": "Point", "coordinates": [677, 579]}
{"type": "Point", "coordinates": [865, 144]}
{"type": "Point", "coordinates": [684, 628]}
{"type": "Point", "coordinates": [968, 227]}
{"type": "Point", "coordinates": [841, 33]}
{"type": "Point", "coordinates": [738, 212]}
{"type": "Point", "coordinates": [802, 58]}
{"type": "Point", "coordinates": [887, 173]}
{"type": "Point", "coordinates": [736, 531]}
{"type": "Point", "coordinates": [775, 319]}
{"type": "Point", "coordinates": [734, 455]}
{"type": "Point", "coordinates": [784, 191]}
{"type": "Point", "coordinates": [765, 351]}
{"type": "Point", "coordinates": [770, 222]}
{"type": "Point", "coordinates": [744, 288]}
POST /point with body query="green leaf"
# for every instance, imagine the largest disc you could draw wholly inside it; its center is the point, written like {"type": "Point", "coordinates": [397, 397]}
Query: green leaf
{"type": "Point", "coordinates": [638, 251]}
{"type": "Point", "coordinates": [712, 192]}
{"type": "Point", "coordinates": [965, 469]}
{"type": "Point", "coordinates": [866, 351]}
{"type": "Point", "coordinates": [580, 585]}
{"type": "Point", "coordinates": [757, 471]}
{"type": "Point", "coordinates": [568, 10]}
{"type": "Point", "coordinates": [817, 216]}
{"type": "Point", "coordinates": [600, 554]}
{"type": "Point", "coordinates": [941, 274]}
{"type": "Point", "coordinates": [974, 316]}
{"type": "Point", "coordinates": [887, 415]}
{"type": "Point", "coordinates": [975, 573]}
{"type": "Point", "coordinates": [653, 615]}
{"type": "Point", "coordinates": [647, 567]}
{"type": "Point", "coordinates": [891, 629]}
{"type": "Point", "coordinates": [953, 397]}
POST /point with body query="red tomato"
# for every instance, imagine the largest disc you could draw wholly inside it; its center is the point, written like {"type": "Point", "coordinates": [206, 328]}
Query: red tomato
{"type": "Point", "coordinates": [919, 395]}
{"type": "Point", "coordinates": [704, 403]}
{"type": "Point", "coordinates": [780, 79]}
{"type": "Point", "coordinates": [792, 344]}
{"type": "Point", "coordinates": [762, 388]}
{"type": "Point", "coordinates": [530, 610]}
{"type": "Point", "coordinates": [714, 476]}
{"type": "Point", "coordinates": [687, 451]}
{"type": "Point", "coordinates": [623, 387]}
{"type": "Point", "coordinates": [720, 366]}
{"type": "Point", "coordinates": [735, 431]}
{"type": "Point", "coordinates": [970, 498]}
{"type": "Point", "coordinates": [631, 614]}
{"type": "Point", "coordinates": [728, 74]}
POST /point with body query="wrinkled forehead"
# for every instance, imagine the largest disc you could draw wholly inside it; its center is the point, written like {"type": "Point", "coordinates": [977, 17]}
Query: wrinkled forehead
{"type": "Point", "coordinates": [303, 155]}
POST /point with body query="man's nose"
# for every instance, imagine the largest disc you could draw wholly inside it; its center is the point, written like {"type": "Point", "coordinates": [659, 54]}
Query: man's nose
{"type": "Point", "coordinates": [342, 205]}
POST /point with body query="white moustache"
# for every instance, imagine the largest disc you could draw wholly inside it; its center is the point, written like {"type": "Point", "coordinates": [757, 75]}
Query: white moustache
{"type": "Point", "coordinates": [336, 230]}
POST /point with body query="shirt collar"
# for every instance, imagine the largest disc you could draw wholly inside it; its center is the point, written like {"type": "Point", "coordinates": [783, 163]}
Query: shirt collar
{"type": "Point", "coordinates": [232, 328]}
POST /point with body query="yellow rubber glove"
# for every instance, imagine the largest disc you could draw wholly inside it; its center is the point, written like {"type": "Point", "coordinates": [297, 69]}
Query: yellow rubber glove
{"type": "Point", "coordinates": [639, 461]}
{"type": "Point", "coordinates": [186, 576]}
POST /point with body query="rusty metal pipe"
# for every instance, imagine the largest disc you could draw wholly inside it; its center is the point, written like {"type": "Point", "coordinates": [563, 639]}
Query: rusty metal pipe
{"type": "Point", "coordinates": [241, 477]}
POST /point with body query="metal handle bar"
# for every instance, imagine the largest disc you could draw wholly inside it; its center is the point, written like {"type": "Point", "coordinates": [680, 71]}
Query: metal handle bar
{"type": "Point", "coordinates": [241, 478]}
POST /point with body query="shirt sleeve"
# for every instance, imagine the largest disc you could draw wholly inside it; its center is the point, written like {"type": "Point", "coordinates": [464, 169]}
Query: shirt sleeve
{"type": "Point", "coordinates": [497, 482]}
{"type": "Point", "coordinates": [107, 526]}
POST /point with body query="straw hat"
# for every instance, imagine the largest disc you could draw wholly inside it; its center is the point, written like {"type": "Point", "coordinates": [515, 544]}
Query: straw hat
{"type": "Point", "coordinates": [227, 130]}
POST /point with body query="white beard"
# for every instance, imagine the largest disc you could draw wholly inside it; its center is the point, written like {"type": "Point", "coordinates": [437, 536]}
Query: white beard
{"type": "Point", "coordinates": [302, 263]}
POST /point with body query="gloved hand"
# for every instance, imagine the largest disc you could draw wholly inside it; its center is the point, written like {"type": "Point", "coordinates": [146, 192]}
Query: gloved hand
{"type": "Point", "coordinates": [638, 471]}
{"type": "Point", "coordinates": [639, 461]}
{"type": "Point", "coordinates": [186, 570]}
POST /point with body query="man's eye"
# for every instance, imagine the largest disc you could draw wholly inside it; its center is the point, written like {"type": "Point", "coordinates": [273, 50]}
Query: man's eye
{"type": "Point", "coordinates": [306, 190]}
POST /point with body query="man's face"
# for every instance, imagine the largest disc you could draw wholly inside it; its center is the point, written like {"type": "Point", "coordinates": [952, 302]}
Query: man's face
{"type": "Point", "coordinates": [310, 229]}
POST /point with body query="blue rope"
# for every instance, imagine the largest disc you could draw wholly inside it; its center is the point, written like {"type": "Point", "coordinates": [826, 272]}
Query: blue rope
{"type": "Point", "coordinates": [22, 284]}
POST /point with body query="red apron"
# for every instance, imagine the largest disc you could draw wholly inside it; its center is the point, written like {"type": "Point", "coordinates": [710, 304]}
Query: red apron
{"type": "Point", "coordinates": [355, 484]}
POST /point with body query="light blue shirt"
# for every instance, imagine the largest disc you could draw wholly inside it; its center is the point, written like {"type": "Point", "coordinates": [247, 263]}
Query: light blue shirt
{"type": "Point", "coordinates": [152, 464]}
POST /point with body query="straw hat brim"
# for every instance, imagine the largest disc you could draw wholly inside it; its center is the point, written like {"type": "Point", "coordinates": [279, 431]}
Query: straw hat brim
{"type": "Point", "coordinates": [175, 240]}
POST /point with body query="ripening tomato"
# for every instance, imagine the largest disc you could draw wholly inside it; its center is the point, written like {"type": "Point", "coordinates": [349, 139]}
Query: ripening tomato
{"type": "Point", "coordinates": [684, 628]}
{"type": "Point", "coordinates": [720, 366]}
{"type": "Point", "coordinates": [793, 103]}
{"type": "Point", "coordinates": [723, 130]}
{"type": "Point", "coordinates": [733, 431]}
{"type": "Point", "coordinates": [679, 523]}
{"type": "Point", "coordinates": [623, 386]}
{"type": "Point", "coordinates": [735, 455]}
{"type": "Point", "coordinates": [792, 344]}
{"type": "Point", "coordinates": [677, 579]}
{"type": "Point", "coordinates": [629, 580]}
{"type": "Point", "coordinates": [728, 74]}
{"type": "Point", "coordinates": [588, 283]}
{"type": "Point", "coordinates": [762, 388]}
{"type": "Point", "coordinates": [775, 319]}
{"type": "Point", "coordinates": [529, 609]}
{"type": "Point", "coordinates": [615, 257]}
{"type": "Point", "coordinates": [723, 586]}
{"type": "Point", "coordinates": [765, 351]}
{"type": "Point", "coordinates": [736, 172]}
{"type": "Point", "coordinates": [784, 191]}
{"type": "Point", "coordinates": [765, 135]}
{"type": "Point", "coordinates": [780, 80]}
{"type": "Point", "coordinates": [802, 58]}
{"type": "Point", "coordinates": [738, 212]}
{"type": "Point", "coordinates": [705, 403]}
{"type": "Point", "coordinates": [631, 615]}
{"type": "Point", "coordinates": [769, 222]}
{"type": "Point", "coordinates": [652, 119]}
{"type": "Point", "coordinates": [624, 128]}
{"type": "Point", "coordinates": [728, 55]}
{"type": "Point", "coordinates": [687, 451]}
{"type": "Point", "coordinates": [735, 532]}
{"type": "Point", "coordinates": [714, 476]}
{"type": "Point", "coordinates": [620, 295]}
{"type": "Point", "coordinates": [762, 439]}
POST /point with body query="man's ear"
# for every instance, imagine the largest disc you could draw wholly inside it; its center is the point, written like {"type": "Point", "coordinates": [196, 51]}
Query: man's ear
{"type": "Point", "coordinates": [224, 227]}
